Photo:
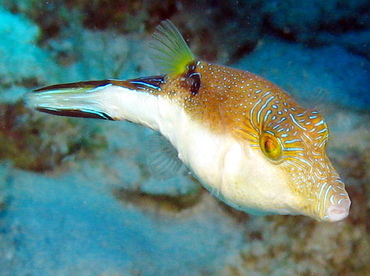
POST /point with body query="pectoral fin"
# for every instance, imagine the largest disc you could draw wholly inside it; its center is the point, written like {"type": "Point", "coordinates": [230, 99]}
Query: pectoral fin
{"type": "Point", "coordinates": [161, 157]}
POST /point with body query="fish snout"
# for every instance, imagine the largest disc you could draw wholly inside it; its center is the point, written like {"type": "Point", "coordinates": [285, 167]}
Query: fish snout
{"type": "Point", "coordinates": [338, 211]}
{"type": "Point", "coordinates": [333, 202]}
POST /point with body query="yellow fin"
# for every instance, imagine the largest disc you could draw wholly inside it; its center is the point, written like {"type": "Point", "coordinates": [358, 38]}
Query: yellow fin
{"type": "Point", "coordinates": [172, 52]}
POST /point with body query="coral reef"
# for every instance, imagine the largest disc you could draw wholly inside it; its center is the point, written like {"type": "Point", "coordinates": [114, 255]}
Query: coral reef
{"type": "Point", "coordinates": [239, 24]}
{"type": "Point", "coordinates": [35, 143]}
{"type": "Point", "coordinates": [23, 64]}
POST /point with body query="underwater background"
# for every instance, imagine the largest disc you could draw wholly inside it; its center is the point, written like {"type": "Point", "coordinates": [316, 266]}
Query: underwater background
{"type": "Point", "coordinates": [77, 196]}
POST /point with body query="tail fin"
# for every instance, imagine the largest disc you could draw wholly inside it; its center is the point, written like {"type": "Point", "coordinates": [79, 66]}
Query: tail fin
{"type": "Point", "coordinates": [106, 99]}
{"type": "Point", "coordinates": [80, 99]}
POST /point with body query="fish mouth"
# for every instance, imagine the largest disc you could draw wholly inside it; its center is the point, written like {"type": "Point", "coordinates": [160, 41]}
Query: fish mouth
{"type": "Point", "coordinates": [338, 211]}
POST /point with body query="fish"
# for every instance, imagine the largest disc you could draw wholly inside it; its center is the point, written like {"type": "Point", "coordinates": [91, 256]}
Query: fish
{"type": "Point", "coordinates": [245, 139]}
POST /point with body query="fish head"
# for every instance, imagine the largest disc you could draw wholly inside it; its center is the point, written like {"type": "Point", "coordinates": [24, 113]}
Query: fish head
{"type": "Point", "coordinates": [294, 143]}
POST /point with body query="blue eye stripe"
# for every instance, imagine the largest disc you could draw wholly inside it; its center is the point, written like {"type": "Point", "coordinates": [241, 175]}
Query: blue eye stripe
{"type": "Point", "coordinates": [281, 120]}
{"type": "Point", "coordinates": [293, 149]}
{"type": "Point", "coordinates": [294, 121]}
{"type": "Point", "coordinates": [292, 141]}
{"type": "Point", "coordinates": [323, 130]}
{"type": "Point", "coordinates": [264, 106]}
{"type": "Point", "coordinates": [319, 123]}
{"type": "Point", "coordinates": [267, 115]}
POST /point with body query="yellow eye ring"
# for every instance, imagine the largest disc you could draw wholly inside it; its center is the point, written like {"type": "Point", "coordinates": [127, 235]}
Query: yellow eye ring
{"type": "Point", "coordinates": [271, 146]}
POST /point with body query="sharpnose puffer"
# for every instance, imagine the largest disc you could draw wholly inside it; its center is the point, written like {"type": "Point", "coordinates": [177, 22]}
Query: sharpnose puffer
{"type": "Point", "coordinates": [246, 140]}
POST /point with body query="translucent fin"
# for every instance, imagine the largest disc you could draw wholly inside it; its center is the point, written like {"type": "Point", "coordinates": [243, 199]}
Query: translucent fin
{"type": "Point", "coordinates": [72, 99]}
{"type": "Point", "coordinates": [172, 52]}
{"type": "Point", "coordinates": [161, 157]}
{"type": "Point", "coordinates": [318, 99]}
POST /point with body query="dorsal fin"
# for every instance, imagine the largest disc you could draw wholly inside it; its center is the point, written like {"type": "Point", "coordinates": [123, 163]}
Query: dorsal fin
{"type": "Point", "coordinates": [172, 52]}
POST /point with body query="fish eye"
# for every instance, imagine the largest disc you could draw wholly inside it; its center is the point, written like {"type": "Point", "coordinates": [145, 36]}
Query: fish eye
{"type": "Point", "coordinates": [194, 82]}
{"type": "Point", "coordinates": [193, 78]}
{"type": "Point", "coordinates": [271, 146]}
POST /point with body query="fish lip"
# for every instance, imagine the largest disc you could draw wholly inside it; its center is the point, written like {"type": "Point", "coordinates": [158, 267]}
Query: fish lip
{"type": "Point", "coordinates": [338, 212]}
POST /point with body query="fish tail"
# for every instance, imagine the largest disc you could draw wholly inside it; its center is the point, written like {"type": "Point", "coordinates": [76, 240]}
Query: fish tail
{"type": "Point", "coordinates": [81, 99]}
{"type": "Point", "coordinates": [134, 100]}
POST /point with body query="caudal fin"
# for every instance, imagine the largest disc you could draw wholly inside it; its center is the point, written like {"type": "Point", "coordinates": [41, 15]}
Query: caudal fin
{"type": "Point", "coordinates": [106, 99]}
{"type": "Point", "coordinates": [80, 99]}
